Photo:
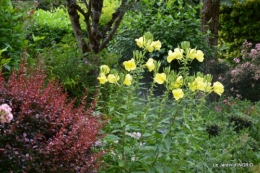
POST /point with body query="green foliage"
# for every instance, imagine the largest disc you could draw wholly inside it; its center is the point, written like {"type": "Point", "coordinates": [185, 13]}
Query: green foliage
{"type": "Point", "coordinates": [65, 64]}
{"type": "Point", "coordinates": [171, 21]}
{"type": "Point", "coordinates": [13, 22]}
{"type": "Point", "coordinates": [237, 24]}
{"type": "Point", "coordinates": [109, 7]}
{"type": "Point", "coordinates": [49, 28]}
{"type": "Point", "coordinates": [161, 134]}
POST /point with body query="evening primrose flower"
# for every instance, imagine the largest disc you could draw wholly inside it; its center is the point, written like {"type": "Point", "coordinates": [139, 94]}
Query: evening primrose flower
{"type": "Point", "coordinates": [218, 88]}
{"type": "Point", "coordinates": [178, 83]}
{"type": "Point", "coordinates": [140, 42]}
{"type": "Point", "coordinates": [199, 55]}
{"type": "Point", "coordinates": [160, 78]}
{"type": "Point", "coordinates": [149, 64]}
{"type": "Point", "coordinates": [191, 53]}
{"type": "Point", "coordinates": [128, 79]}
{"type": "Point", "coordinates": [178, 93]}
{"type": "Point", "coordinates": [112, 78]}
{"type": "Point", "coordinates": [200, 84]}
{"type": "Point", "coordinates": [177, 54]}
{"type": "Point", "coordinates": [102, 78]}
{"type": "Point", "coordinates": [157, 45]}
{"type": "Point", "coordinates": [104, 69]}
{"type": "Point", "coordinates": [150, 48]}
{"type": "Point", "coordinates": [130, 65]}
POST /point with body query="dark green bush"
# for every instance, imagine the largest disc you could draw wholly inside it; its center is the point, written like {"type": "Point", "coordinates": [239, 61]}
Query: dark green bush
{"type": "Point", "coordinates": [238, 23]}
{"type": "Point", "coordinates": [14, 21]}
{"type": "Point", "coordinates": [171, 22]}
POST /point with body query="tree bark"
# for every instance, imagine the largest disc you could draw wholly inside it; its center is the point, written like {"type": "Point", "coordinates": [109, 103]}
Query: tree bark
{"type": "Point", "coordinates": [210, 21]}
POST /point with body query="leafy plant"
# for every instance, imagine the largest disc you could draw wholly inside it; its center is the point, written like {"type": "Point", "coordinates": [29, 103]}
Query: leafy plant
{"type": "Point", "coordinates": [156, 134]}
{"type": "Point", "coordinates": [238, 23]}
{"type": "Point", "coordinates": [13, 30]}
{"type": "Point", "coordinates": [47, 133]}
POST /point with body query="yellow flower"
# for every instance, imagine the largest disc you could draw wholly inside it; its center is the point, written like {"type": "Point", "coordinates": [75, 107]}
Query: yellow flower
{"type": "Point", "coordinates": [102, 78]}
{"type": "Point", "coordinates": [192, 86]}
{"type": "Point", "coordinates": [177, 54]}
{"type": "Point", "coordinates": [178, 93]}
{"type": "Point", "coordinates": [140, 42]}
{"type": "Point", "coordinates": [149, 64]}
{"type": "Point", "coordinates": [128, 79]}
{"type": "Point", "coordinates": [178, 82]}
{"type": "Point", "coordinates": [112, 78]}
{"type": "Point", "coordinates": [199, 55]}
{"type": "Point", "coordinates": [200, 84]}
{"type": "Point", "coordinates": [150, 48]}
{"type": "Point", "coordinates": [218, 88]}
{"type": "Point", "coordinates": [104, 69]}
{"type": "Point", "coordinates": [170, 56]}
{"type": "Point", "coordinates": [191, 54]}
{"type": "Point", "coordinates": [157, 44]}
{"type": "Point", "coordinates": [160, 78]}
{"type": "Point", "coordinates": [130, 65]}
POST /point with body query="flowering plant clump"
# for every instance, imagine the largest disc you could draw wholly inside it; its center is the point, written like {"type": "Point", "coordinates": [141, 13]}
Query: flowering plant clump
{"type": "Point", "coordinates": [242, 78]}
{"type": "Point", "coordinates": [141, 127]}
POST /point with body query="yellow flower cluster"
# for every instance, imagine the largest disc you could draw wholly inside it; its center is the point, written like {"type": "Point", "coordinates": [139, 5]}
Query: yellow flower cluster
{"type": "Point", "coordinates": [114, 78]}
{"type": "Point", "coordinates": [173, 82]}
{"type": "Point", "coordinates": [203, 85]}
{"type": "Point", "coordinates": [190, 53]}
{"type": "Point", "coordinates": [148, 44]}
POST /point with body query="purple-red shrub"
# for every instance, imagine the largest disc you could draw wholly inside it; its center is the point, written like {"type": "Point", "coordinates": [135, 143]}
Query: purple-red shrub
{"type": "Point", "coordinates": [47, 133]}
{"type": "Point", "coordinates": [242, 77]}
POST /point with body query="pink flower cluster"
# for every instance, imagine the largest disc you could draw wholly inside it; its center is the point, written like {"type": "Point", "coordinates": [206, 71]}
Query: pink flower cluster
{"type": "Point", "coordinates": [5, 113]}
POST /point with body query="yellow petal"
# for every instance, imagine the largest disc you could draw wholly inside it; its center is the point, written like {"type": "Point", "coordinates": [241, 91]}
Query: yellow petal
{"type": "Point", "coordinates": [112, 78]}
{"type": "Point", "coordinates": [150, 65]}
{"type": "Point", "coordinates": [178, 93]}
{"type": "Point", "coordinates": [150, 48]}
{"type": "Point", "coordinates": [171, 56]}
{"type": "Point", "coordinates": [157, 44]}
{"type": "Point", "coordinates": [104, 69]}
{"type": "Point", "coordinates": [130, 65]}
{"type": "Point", "coordinates": [178, 53]}
{"type": "Point", "coordinates": [102, 78]}
{"type": "Point", "coordinates": [191, 54]}
{"type": "Point", "coordinates": [200, 56]}
{"type": "Point", "coordinates": [160, 78]}
{"type": "Point", "coordinates": [218, 88]}
{"type": "Point", "coordinates": [140, 42]}
{"type": "Point", "coordinates": [128, 79]}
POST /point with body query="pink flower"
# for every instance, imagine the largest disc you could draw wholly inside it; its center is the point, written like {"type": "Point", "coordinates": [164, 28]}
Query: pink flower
{"type": "Point", "coordinates": [236, 60]}
{"type": "Point", "coordinates": [218, 109]}
{"type": "Point", "coordinates": [5, 113]}
{"type": "Point", "coordinates": [234, 72]}
{"type": "Point", "coordinates": [245, 65]}
{"type": "Point", "coordinates": [257, 46]}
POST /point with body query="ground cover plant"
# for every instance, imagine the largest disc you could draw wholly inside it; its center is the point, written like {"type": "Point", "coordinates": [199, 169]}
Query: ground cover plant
{"type": "Point", "coordinates": [41, 130]}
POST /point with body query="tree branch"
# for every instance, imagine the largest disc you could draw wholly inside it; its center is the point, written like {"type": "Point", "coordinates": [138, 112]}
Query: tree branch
{"type": "Point", "coordinates": [74, 18]}
{"type": "Point", "coordinates": [112, 32]}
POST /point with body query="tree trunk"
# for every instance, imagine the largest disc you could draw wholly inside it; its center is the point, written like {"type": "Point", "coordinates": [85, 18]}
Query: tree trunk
{"type": "Point", "coordinates": [210, 21]}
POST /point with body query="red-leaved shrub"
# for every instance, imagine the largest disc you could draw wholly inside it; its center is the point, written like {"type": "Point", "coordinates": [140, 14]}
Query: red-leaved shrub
{"type": "Point", "coordinates": [47, 133]}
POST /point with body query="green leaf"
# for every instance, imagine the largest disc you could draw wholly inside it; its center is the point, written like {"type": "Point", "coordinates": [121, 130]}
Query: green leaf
{"type": "Point", "coordinates": [167, 143]}
{"type": "Point", "coordinates": [159, 168]}
{"type": "Point", "coordinates": [121, 163]}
